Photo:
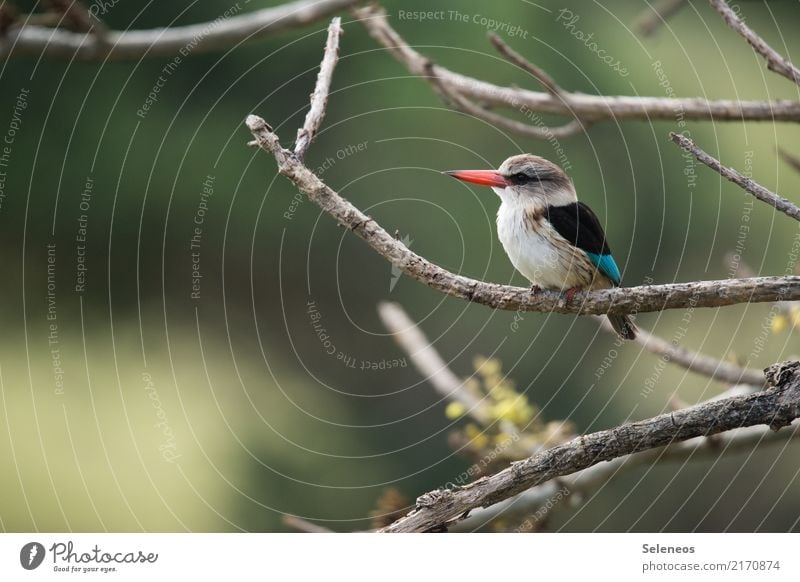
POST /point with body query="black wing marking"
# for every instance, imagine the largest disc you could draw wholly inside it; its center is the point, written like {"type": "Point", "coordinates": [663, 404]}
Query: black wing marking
{"type": "Point", "coordinates": [578, 224]}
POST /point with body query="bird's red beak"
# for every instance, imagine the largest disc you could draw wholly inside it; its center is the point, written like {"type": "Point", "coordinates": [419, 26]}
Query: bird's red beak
{"type": "Point", "coordinates": [481, 177]}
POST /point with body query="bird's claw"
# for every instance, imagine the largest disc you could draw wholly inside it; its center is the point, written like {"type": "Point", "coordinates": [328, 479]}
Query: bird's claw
{"type": "Point", "coordinates": [535, 289]}
{"type": "Point", "coordinates": [569, 294]}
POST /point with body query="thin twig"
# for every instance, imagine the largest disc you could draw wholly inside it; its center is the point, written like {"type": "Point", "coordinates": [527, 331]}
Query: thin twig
{"type": "Point", "coordinates": [464, 105]}
{"type": "Point", "coordinates": [618, 300]}
{"type": "Point", "coordinates": [300, 524]}
{"type": "Point", "coordinates": [514, 57]}
{"type": "Point", "coordinates": [775, 61]}
{"type": "Point", "coordinates": [701, 363]}
{"type": "Point", "coordinates": [227, 30]}
{"type": "Point", "coordinates": [792, 160]}
{"type": "Point", "coordinates": [580, 105]}
{"type": "Point", "coordinates": [776, 407]}
{"type": "Point", "coordinates": [428, 361]}
{"type": "Point", "coordinates": [656, 14]}
{"type": "Point", "coordinates": [696, 362]}
{"type": "Point", "coordinates": [747, 184]}
{"type": "Point", "coordinates": [319, 98]}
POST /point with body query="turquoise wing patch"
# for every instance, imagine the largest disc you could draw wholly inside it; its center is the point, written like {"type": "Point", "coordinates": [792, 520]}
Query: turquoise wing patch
{"type": "Point", "coordinates": [607, 266]}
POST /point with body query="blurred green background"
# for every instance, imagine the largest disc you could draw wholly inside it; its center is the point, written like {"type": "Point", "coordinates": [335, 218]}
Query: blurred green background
{"type": "Point", "coordinates": [161, 411]}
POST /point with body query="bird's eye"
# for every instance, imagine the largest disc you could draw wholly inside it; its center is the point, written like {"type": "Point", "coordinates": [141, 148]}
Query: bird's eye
{"type": "Point", "coordinates": [520, 178]}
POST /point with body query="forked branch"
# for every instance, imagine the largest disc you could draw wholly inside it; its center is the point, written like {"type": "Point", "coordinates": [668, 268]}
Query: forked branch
{"type": "Point", "coordinates": [641, 299]}
{"type": "Point", "coordinates": [230, 28]}
{"type": "Point", "coordinates": [435, 371]}
{"type": "Point", "coordinates": [588, 108]}
{"type": "Point", "coordinates": [775, 62]}
{"type": "Point", "coordinates": [777, 407]}
{"type": "Point", "coordinates": [696, 362]}
{"type": "Point", "coordinates": [319, 98]}
{"type": "Point", "coordinates": [747, 184]}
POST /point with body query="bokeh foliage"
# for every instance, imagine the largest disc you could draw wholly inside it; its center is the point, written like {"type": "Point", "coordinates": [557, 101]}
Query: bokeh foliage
{"type": "Point", "coordinates": [264, 419]}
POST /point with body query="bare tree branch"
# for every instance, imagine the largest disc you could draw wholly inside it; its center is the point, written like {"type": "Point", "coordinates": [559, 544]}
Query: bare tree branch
{"type": "Point", "coordinates": [656, 14]}
{"type": "Point", "coordinates": [747, 184]}
{"type": "Point", "coordinates": [433, 368]}
{"type": "Point", "coordinates": [591, 478]}
{"type": "Point", "coordinates": [580, 105]}
{"type": "Point", "coordinates": [460, 103]}
{"type": "Point", "coordinates": [776, 407]}
{"type": "Point", "coordinates": [319, 98]}
{"type": "Point", "coordinates": [514, 57]}
{"type": "Point", "coordinates": [790, 159]}
{"type": "Point", "coordinates": [696, 362]}
{"type": "Point", "coordinates": [775, 62]}
{"type": "Point", "coordinates": [617, 300]}
{"type": "Point", "coordinates": [428, 361]}
{"type": "Point", "coordinates": [79, 17]}
{"type": "Point", "coordinates": [223, 32]}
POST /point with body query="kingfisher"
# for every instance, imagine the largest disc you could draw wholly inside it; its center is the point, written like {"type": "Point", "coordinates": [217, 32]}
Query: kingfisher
{"type": "Point", "coordinates": [552, 239]}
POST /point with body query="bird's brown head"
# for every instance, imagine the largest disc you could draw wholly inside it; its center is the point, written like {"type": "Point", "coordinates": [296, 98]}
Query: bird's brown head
{"type": "Point", "coordinates": [524, 178]}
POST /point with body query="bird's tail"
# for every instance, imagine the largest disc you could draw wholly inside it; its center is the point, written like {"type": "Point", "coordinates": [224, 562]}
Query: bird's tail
{"type": "Point", "coordinates": [624, 326]}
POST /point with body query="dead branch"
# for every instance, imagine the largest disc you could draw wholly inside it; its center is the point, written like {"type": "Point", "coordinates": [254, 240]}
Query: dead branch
{"type": "Point", "coordinates": [537, 72]}
{"type": "Point", "coordinates": [462, 104]}
{"type": "Point", "coordinates": [433, 368]}
{"type": "Point", "coordinates": [592, 478]}
{"type": "Point", "coordinates": [747, 184]}
{"type": "Point", "coordinates": [788, 158]}
{"type": "Point", "coordinates": [618, 300]}
{"type": "Point", "coordinates": [319, 98]}
{"type": "Point", "coordinates": [775, 407]}
{"type": "Point", "coordinates": [775, 62]}
{"type": "Point", "coordinates": [78, 16]}
{"type": "Point", "coordinates": [652, 17]}
{"type": "Point", "coordinates": [693, 361]}
{"type": "Point", "coordinates": [575, 105]}
{"type": "Point", "coordinates": [428, 361]}
{"type": "Point", "coordinates": [227, 30]}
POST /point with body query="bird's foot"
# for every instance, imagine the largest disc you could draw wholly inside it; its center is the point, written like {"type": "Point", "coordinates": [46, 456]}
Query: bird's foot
{"type": "Point", "coordinates": [535, 289]}
{"type": "Point", "coordinates": [569, 294]}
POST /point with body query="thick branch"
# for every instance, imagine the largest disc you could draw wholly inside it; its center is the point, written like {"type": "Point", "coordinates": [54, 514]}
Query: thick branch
{"type": "Point", "coordinates": [221, 33]}
{"type": "Point", "coordinates": [749, 185]}
{"type": "Point", "coordinates": [591, 478]}
{"type": "Point", "coordinates": [580, 105]}
{"type": "Point", "coordinates": [319, 98]}
{"type": "Point", "coordinates": [775, 62]}
{"type": "Point", "coordinates": [433, 368]}
{"type": "Point", "coordinates": [618, 300]}
{"type": "Point", "coordinates": [776, 407]}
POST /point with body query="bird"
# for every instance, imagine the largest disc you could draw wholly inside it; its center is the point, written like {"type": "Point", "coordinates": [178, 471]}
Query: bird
{"type": "Point", "coordinates": [552, 239]}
